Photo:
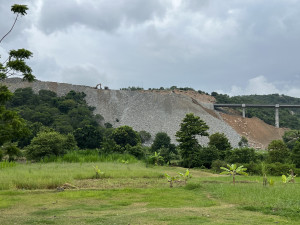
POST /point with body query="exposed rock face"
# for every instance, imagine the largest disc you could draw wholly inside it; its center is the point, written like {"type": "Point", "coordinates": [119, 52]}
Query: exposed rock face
{"type": "Point", "coordinates": [150, 111]}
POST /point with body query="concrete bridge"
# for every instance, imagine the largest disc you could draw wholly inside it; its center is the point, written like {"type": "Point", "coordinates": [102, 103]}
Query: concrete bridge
{"type": "Point", "coordinates": [244, 106]}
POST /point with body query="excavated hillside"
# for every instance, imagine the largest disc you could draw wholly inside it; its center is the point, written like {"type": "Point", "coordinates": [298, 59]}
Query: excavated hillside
{"type": "Point", "coordinates": [161, 111]}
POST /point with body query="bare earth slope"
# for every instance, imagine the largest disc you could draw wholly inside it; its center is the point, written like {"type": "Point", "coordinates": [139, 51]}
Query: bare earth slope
{"type": "Point", "coordinates": [161, 111]}
{"type": "Point", "coordinates": [258, 133]}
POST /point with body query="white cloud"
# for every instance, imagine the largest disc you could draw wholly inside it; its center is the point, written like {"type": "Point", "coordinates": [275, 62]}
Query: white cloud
{"type": "Point", "coordinates": [261, 86]}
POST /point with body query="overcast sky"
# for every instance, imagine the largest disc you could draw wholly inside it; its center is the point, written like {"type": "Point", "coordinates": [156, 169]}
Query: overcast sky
{"type": "Point", "coordinates": [236, 47]}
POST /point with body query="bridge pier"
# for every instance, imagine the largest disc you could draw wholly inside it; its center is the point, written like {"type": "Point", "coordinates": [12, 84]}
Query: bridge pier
{"type": "Point", "coordinates": [277, 115]}
{"type": "Point", "coordinates": [244, 110]}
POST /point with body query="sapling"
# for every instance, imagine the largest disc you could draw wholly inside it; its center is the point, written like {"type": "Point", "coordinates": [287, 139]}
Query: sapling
{"type": "Point", "coordinates": [263, 171]}
{"type": "Point", "coordinates": [185, 176]}
{"type": "Point", "coordinates": [290, 178]}
{"type": "Point", "coordinates": [171, 179]}
{"type": "Point", "coordinates": [98, 172]}
{"type": "Point", "coordinates": [233, 170]}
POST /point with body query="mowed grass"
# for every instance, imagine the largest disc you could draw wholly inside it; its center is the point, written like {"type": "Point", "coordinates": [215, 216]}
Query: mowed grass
{"type": "Point", "coordinates": [135, 194]}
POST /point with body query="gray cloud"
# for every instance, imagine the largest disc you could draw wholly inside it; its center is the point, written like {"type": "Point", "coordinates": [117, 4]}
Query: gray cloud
{"type": "Point", "coordinates": [208, 45]}
{"type": "Point", "coordinates": [104, 15]}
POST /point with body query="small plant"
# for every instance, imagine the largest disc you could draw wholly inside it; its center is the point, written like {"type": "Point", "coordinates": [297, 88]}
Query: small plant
{"type": "Point", "coordinates": [284, 179]}
{"type": "Point", "coordinates": [289, 179]}
{"type": "Point", "coordinates": [185, 176]}
{"type": "Point", "coordinates": [98, 172]}
{"type": "Point", "coordinates": [264, 172]}
{"type": "Point", "coordinates": [271, 182]}
{"type": "Point", "coordinates": [125, 161]}
{"type": "Point", "coordinates": [171, 179]}
{"type": "Point", "coordinates": [233, 170]}
{"type": "Point", "coordinates": [156, 159]}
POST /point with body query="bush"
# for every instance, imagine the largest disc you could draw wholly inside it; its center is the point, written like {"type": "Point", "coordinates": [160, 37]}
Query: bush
{"type": "Point", "coordinates": [221, 142]}
{"type": "Point", "coordinates": [242, 155]}
{"type": "Point", "coordinates": [88, 137]}
{"type": "Point", "coordinates": [296, 154]}
{"type": "Point", "coordinates": [161, 140]}
{"type": "Point", "coordinates": [50, 143]}
{"type": "Point", "coordinates": [145, 136]}
{"type": "Point", "coordinates": [1, 154]}
{"type": "Point", "coordinates": [208, 155]}
{"type": "Point", "coordinates": [278, 151]}
{"type": "Point", "coordinates": [277, 169]}
{"type": "Point", "coordinates": [136, 151]}
{"type": "Point", "coordinates": [126, 135]}
{"type": "Point", "coordinates": [215, 166]}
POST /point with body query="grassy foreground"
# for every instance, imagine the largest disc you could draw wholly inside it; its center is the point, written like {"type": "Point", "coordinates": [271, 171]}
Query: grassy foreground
{"type": "Point", "coordinates": [134, 194]}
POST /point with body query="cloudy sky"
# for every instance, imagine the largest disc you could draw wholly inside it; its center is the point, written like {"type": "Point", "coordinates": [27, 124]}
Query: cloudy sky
{"type": "Point", "coordinates": [235, 46]}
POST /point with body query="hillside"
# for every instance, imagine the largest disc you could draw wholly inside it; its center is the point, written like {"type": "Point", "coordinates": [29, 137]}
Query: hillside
{"type": "Point", "coordinates": [289, 118]}
{"type": "Point", "coordinates": [157, 111]}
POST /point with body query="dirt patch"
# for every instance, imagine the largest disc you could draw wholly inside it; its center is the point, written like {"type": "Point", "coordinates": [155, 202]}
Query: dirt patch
{"type": "Point", "coordinates": [258, 133]}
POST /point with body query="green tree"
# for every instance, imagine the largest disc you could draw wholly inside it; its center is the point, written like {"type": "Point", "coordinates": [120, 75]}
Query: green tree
{"type": "Point", "coordinates": [290, 138]}
{"type": "Point", "coordinates": [15, 64]}
{"type": "Point", "coordinates": [161, 139]}
{"type": "Point", "coordinates": [208, 155]}
{"type": "Point", "coordinates": [11, 125]}
{"type": "Point", "coordinates": [296, 154]}
{"type": "Point", "coordinates": [126, 135]}
{"type": "Point", "coordinates": [243, 143]}
{"type": "Point", "coordinates": [190, 127]}
{"type": "Point", "coordinates": [221, 142]}
{"type": "Point", "coordinates": [242, 155]}
{"type": "Point", "coordinates": [278, 151]}
{"type": "Point", "coordinates": [12, 150]}
{"type": "Point", "coordinates": [145, 136]}
{"type": "Point", "coordinates": [49, 143]}
{"type": "Point", "coordinates": [88, 137]}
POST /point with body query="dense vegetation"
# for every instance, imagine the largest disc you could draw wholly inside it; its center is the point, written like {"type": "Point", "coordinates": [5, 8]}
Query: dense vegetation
{"type": "Point", "coordinates": [58, 126]}
{"type": "Point", "coordinates": [289, 118]}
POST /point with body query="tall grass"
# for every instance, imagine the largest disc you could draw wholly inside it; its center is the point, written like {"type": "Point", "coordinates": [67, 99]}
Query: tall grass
{"type": "Point", "coordinates": [83, 156]}
{"type": "Point", "coordinates": [278, 199]}
{"type": "Point", "coordinates": [52, 175]}
{"type": "Point", "coordinates": [6, 164]}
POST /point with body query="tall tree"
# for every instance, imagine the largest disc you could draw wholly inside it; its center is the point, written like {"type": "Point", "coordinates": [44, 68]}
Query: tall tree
{"type": "Point", "coordinates": [11, 125]}
{"type": "Point", "coordinates": [15, 64]}
{"type": "Point", "coordinates": [190, 127]}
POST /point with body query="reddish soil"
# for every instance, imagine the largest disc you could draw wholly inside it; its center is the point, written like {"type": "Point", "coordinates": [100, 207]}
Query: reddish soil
{"type": "Point", "coordinates": [258, 133]}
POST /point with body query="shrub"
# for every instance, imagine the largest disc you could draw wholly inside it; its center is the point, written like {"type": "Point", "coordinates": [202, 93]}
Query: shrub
{"type": "Point", "coordinates": [161, 140]}
{"type": "Point", "coordinates": [145, 136]}
{"type": "Point", "coordinates": [296, 154]}
{"type": "Point", "coordinates": [221, 142]}
{"type": "Point", "coordinates": [242, 155]}
{"type": "Point", "coordinates": [278, 151]}
{"type": "Point", "coordinates": [217, 164]}
{"type": "Point", "coordinates": [125, 135]}
{"type": "Point", "coordinates": [88, 137]}
{"type": "Point", "coordinates": [277, 169]}
{"type": "Point", "coordinates": [208, 155]}
{"type": "Point", "coordinates": [136, 151]}
{"type": "Point", "coordinates": [50, 143]}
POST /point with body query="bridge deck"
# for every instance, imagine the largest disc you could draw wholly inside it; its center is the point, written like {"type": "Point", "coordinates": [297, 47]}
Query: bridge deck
{"type": "Point", "coordinates": [256, 106]}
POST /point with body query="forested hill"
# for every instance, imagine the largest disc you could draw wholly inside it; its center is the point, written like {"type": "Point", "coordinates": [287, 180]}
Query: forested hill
{"type": "Point", "coordinates": [289, 118]}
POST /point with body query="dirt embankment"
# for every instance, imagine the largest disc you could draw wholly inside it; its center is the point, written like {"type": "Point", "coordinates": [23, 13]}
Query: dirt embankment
{"type": "Point", "coordinates": [258, 133]}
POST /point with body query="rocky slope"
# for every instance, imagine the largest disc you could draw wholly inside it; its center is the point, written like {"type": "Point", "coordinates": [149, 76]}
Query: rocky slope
{"type": "Point", "coordinates": [143, 110]}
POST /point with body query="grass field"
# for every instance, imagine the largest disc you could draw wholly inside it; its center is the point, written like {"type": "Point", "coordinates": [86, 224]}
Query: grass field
{"type": "Point", "coordinates": [135, 194]}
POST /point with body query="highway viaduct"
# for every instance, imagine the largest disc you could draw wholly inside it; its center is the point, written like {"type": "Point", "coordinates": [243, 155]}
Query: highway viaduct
{"type": "Point", "coordinates": [244, 106]}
